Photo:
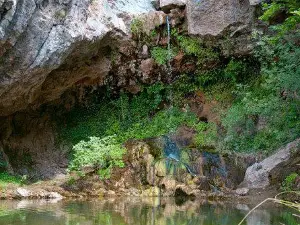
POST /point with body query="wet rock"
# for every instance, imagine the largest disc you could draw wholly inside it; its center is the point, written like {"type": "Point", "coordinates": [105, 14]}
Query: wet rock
{"type": "Point", "coordinates": [168, 183]}
{"type": "Point", "coordinates": [160, 168]}
{"type": "Point", "coordinates": [151, 192]}
{"type": "Point", "coordinates": [242, 191]}
{"type": "Point", "coordinates": [273, 169]}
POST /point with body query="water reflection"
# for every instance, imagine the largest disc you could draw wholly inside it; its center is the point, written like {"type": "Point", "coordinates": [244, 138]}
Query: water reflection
{"type": "Point", "coordinates": [137, 211]}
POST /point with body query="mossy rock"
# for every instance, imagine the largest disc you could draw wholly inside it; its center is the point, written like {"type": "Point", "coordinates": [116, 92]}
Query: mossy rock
{"type": "Point", "coordinates": [160, 168]}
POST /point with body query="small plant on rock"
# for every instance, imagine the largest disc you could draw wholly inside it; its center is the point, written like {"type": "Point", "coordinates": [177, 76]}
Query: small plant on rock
{"type": "Point", "coordinates": [287, 184]}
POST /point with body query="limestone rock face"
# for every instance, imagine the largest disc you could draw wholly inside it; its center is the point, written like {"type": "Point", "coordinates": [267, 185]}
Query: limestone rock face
{"type": "Point", "coordinates": [273, 169]}
{"type": "Point", "coordinates": [44, 43]}
{"type": "Point", "coordinates": [206, 17]}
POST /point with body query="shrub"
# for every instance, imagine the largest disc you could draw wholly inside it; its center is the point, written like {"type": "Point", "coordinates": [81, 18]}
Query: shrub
{"type": "Point", "coordinates": [101, 153]}
{"type": "Point", "coordinates": [265, 114]}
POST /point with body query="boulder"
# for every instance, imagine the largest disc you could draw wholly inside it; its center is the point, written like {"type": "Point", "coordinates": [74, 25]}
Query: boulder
{"type": "Point", "coordinates": [255, 2]}
{"type": "Point", "coordinates": [275, 168]}
{"type": "Point", "coordinates": [150, 20]}
{"type": "Point", "coordinates": [54, 195]}
{"type": "Point", "coordinates": [207, 17]}
{"type": "Point", "coordinates": [242, 191]}
{"type": "Point", "coordinates": [23, 193]}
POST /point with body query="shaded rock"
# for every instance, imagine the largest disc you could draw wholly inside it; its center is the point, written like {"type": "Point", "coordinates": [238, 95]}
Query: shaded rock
{"type": "Point", "coordinates": [147, 67]}
{"type": "Point", "coordinates": [273, 169]}
{"type": "Point", "coordinates": [186, 190]}
{"type": "Point", "coordinates": [167, 5]}
{"type": "Point", "coordinates": [242, 191]}
{"type": "Point", "coordinates": [203, 183]}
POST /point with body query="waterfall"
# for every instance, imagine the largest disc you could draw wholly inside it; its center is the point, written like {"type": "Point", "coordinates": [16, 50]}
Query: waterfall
{"type": "Point", "coordinates": [169, 47]}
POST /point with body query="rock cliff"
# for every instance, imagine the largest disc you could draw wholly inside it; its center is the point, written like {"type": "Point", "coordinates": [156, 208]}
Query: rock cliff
{"type": "Point", "coordinates": [49, 48]}
{"type": "Point", "coordinates": [46, 46]}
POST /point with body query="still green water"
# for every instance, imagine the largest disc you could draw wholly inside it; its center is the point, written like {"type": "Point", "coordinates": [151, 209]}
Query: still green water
{"type": "Point", "coordinates": [137, 211]}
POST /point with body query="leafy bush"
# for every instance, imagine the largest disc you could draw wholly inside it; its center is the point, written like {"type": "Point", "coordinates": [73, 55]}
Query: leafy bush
{"type": "Point", "coordinates": [206, 135]}
{"type": "Point", "coordinates": [292, 11]}
{"type": "Point", "coordinates": [102, 153]}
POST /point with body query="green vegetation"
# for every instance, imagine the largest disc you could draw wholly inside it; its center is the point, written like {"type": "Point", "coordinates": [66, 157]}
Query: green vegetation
{"type": "Point", "coordinates": [289, 181]}
{"type": "Point", "coordinates": [258, 98]}
{"type": "Point", "coordinates": [161, 55]}
{"type": "Point", "coordinates": [265, 112]}
{"type": "Point", "coordinates": [136, 27]}
{"type": "Point", "coordinates": [288, 8]}
{"type": "Point", "coordinates": [102, 153]}
{"type": "Point", "coordinates": [99, 131]}
{"type": "Point", "coordinates": [194, 47]}
{"type": "Point", "coordinates": [6, 179]}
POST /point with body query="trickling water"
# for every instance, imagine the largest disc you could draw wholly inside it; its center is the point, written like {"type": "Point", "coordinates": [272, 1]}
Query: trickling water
{"type": "Point", "coordinates": [169, 47]}
{"type": "Point", "coordinates": [173, 156]}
